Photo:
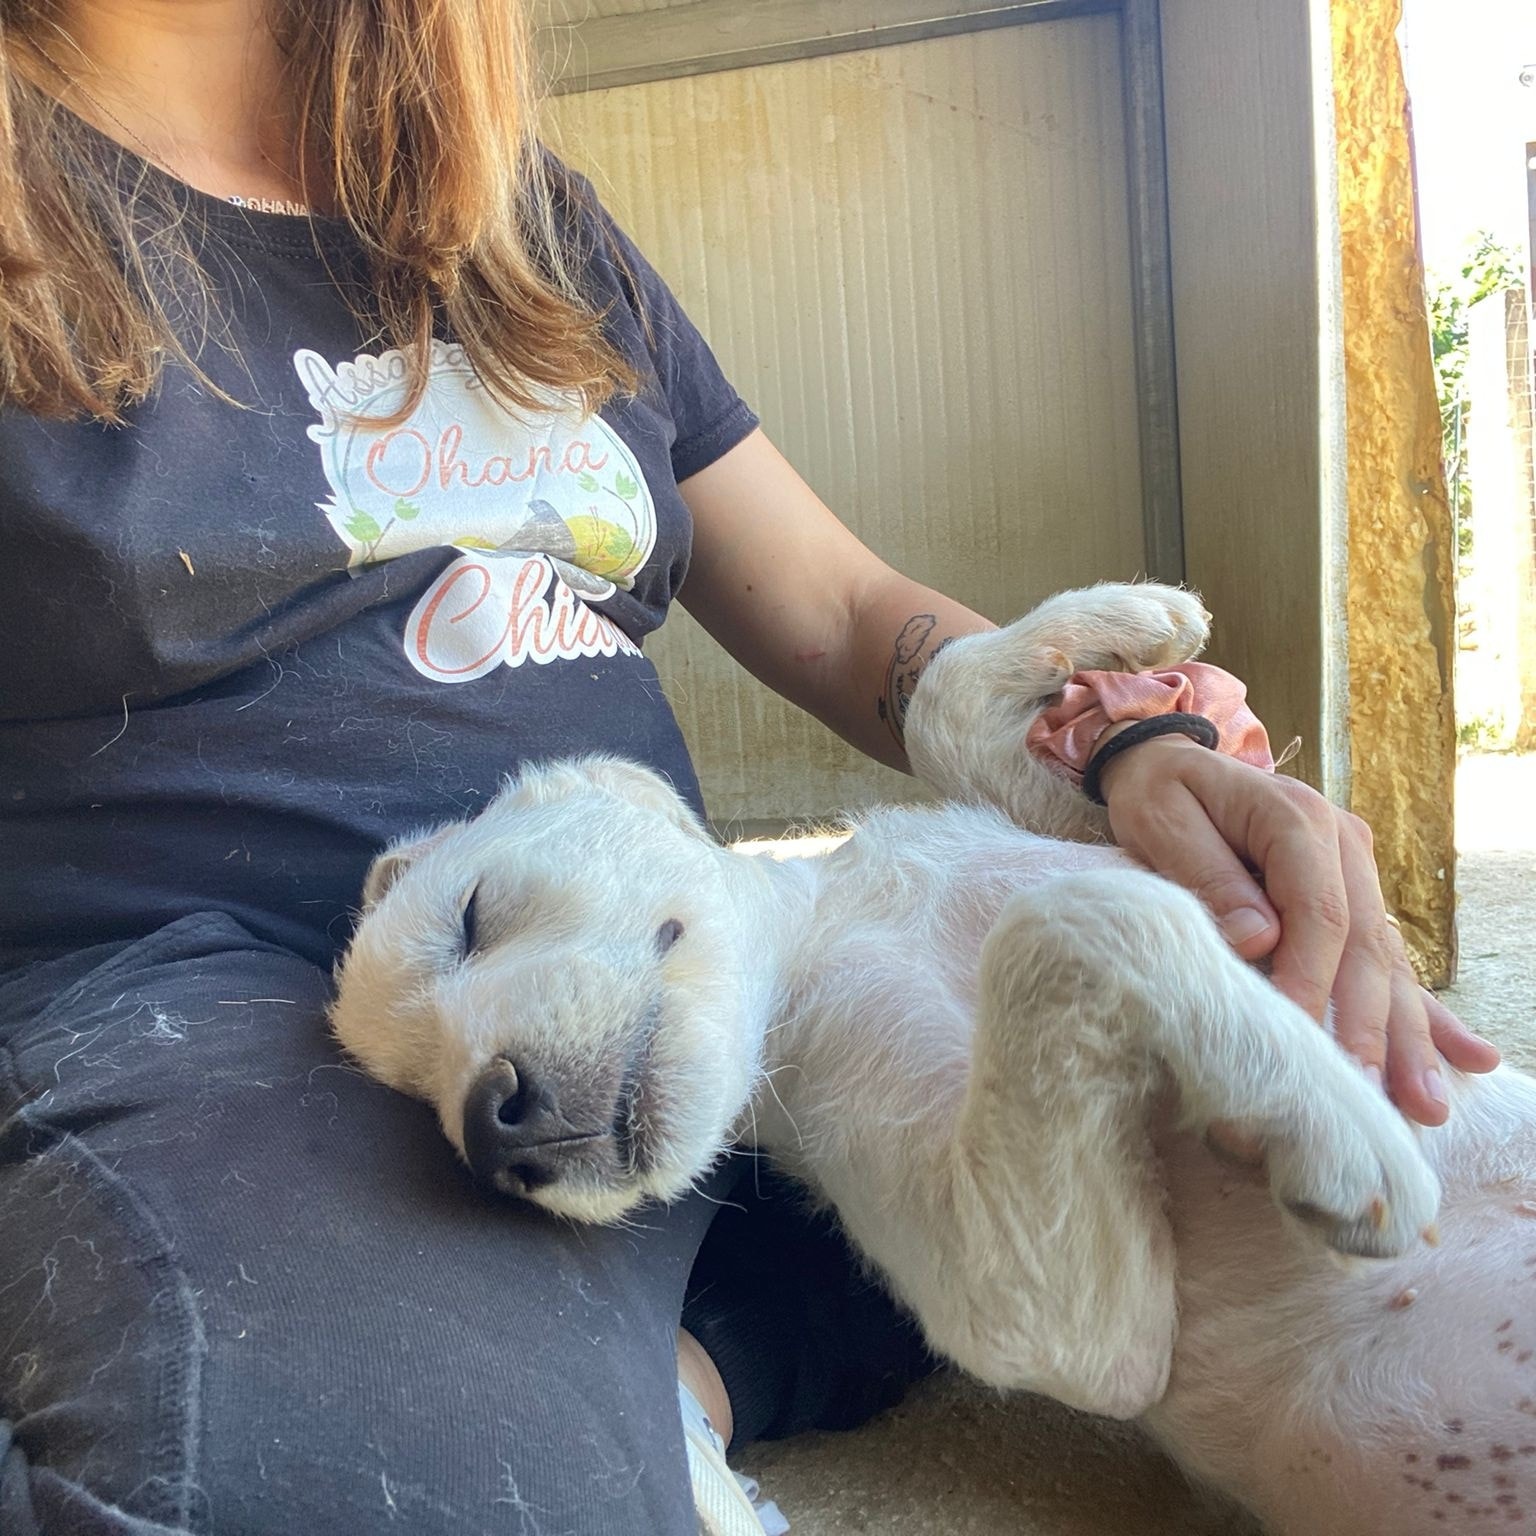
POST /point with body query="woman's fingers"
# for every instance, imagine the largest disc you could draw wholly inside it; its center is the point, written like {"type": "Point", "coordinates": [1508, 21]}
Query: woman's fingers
{"type": "Point", "coordinates": [1167, 827]}
{"type": "Point", "coordinates": [1314, 926]}
{"type": "Point", "coordinates": [1277, 826]}
{"type": "Point", "coordinates": [1379, 1015]}
{"type": "Point", "coordinates": [1368, 1018]}
{"type": "Point", "coordinates": [1415, 1080]}
{"type": "Point", "coordinates": [1464, 1050]}
{"type": "Point", "coordinates": [1206, 821]}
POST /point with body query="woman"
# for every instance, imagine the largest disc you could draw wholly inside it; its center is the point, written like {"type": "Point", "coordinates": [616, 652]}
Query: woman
{"type": "Point", "coordinates": [350, 452]}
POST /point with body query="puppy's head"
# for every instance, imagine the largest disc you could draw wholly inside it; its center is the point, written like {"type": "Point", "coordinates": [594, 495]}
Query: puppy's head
{"type": "Point", "coordinates": [561, 979]}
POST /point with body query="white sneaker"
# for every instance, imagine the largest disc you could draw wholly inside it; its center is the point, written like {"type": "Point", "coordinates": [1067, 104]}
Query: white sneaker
{"type": "Point", "coordinates": [727, 1502]}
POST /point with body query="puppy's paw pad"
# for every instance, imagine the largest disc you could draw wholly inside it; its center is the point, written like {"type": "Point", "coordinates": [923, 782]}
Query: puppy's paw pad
{"type": "Point", "coordinates": [1365, 1188]}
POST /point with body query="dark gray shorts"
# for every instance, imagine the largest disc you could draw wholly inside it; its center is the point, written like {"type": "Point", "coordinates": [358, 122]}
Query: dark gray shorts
{"type": "Point", "coordinates": [244, 1289]}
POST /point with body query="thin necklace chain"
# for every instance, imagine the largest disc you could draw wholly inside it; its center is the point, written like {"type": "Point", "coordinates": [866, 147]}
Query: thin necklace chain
{"type": "Point", "coordinates": [254, 204]}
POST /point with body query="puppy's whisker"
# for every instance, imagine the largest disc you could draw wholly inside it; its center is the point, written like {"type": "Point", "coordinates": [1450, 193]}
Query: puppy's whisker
{"type": "Point", "coordinates": [768, 1079]}
{"type": "Point", "coordinates": [731, 1205]}
{"type": "Point", "coordinates": [757, 1186]}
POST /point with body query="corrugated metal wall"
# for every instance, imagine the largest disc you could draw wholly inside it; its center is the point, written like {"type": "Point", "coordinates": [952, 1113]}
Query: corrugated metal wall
{"type": "Point", "coordinates": [574, 12]}
{"type": "Point", "coordinates": [914, 262]}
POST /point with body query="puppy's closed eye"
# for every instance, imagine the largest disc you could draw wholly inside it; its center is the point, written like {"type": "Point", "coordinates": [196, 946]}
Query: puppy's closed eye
{"type": "Point", "coordinates": [668, 935]}
{"type": "Point", "coordinates": [469, 922]}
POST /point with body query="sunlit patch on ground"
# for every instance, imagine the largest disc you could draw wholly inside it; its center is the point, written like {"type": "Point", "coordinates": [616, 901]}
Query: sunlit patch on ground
{"type": "Point", "coordinates": [1495, 989]}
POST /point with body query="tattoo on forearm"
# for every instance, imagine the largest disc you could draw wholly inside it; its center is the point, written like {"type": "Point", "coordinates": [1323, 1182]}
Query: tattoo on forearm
{"type": "Point", "coordinates": [908, 658]}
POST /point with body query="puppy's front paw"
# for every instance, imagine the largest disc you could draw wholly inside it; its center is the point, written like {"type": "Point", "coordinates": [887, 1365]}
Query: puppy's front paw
{"type": "Point", "coordinates": [1131, 626]}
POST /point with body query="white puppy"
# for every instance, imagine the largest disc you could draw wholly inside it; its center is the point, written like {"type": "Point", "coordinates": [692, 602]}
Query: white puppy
{"type": "Point", "coordinates": [994, 1053]}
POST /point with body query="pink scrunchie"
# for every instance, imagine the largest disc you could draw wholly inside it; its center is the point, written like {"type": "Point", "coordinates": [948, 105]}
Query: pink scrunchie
{"type": "Point", "coordinates": [1064, 735]}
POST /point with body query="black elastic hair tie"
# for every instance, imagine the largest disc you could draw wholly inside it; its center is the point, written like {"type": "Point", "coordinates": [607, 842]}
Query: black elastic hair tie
{"type": "Point", "coordinates": [1196, 727]}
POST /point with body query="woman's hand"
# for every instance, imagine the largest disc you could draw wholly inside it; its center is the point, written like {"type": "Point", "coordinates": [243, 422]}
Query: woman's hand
{"type": "Point", "coordinates": [1206, 821]}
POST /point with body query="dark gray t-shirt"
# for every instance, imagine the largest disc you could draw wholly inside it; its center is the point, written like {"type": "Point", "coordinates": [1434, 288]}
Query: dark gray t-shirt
{"type": "Point", "coordinates": [247, 644]}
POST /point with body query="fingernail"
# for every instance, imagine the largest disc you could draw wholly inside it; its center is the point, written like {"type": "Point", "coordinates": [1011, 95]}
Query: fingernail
{"type": "Point", "coordinates": [1373, 1072]}
{"type": "Point", "coordinates": [1243, 924]}
{"type": "Point", "coordinates": [1434, 1086]}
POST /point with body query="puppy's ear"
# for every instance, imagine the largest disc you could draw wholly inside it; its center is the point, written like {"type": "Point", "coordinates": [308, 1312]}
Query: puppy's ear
{"type": "Point", "coordinates": [395, 860]}
{"type": "Point", "coordinates": [643, 787]}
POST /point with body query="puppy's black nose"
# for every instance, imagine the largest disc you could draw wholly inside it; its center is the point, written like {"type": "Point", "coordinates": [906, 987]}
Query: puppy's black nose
{"type": "Point", "coordinates": [502, 1094]}
{"type": "Point", "coordinates": [513, 1130]}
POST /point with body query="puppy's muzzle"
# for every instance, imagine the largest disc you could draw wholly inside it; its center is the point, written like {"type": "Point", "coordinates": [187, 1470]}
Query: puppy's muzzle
{"type": "Point", "coordinates": [518, 1139]}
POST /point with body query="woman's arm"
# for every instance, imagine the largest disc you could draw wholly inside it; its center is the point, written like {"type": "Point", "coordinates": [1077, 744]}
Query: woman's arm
{"type": "Point", "coordinates": [821, 619]}
{"type": "Point", "coordinates": [806, 607]}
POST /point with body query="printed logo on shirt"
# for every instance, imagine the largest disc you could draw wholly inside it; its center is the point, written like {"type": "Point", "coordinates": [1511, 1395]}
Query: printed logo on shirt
{"type": "Point", "coordinates": [551, 509]}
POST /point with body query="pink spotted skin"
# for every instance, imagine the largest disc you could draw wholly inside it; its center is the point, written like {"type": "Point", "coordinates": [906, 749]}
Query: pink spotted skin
{"type": "Point", "coordinates": [1400, 1395]}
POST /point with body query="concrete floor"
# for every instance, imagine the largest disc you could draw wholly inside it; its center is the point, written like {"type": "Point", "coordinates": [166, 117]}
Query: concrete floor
{"type": "Point", "coordinates": [954, 1461]}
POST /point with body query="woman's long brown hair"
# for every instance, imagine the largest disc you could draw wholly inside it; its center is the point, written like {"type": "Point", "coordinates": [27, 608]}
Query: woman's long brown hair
{"type": "Point", "coordinates": [421, 117]}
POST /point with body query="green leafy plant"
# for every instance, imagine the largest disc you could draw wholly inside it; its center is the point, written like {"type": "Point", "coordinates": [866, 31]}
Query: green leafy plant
{"type": "Point", "coordinates": [1489, 269]}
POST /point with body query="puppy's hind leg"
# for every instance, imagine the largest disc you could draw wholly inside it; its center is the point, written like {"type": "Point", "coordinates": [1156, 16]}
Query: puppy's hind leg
{"type": "Point", "coordinates": [1063, 1273]}
{"type": "Point", "coordinates": [1046, 1261]}
{"type": "Point", "coordinates": [1340, 1158]}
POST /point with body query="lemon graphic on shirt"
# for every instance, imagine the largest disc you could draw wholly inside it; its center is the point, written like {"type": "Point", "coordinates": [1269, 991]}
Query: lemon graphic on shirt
{"type": "Point", "coordinates": [602, 547]}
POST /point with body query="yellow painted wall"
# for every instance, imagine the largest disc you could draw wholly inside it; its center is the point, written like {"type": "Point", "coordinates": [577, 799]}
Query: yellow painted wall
{"type": "Point", "coordinates": [1401, 606]}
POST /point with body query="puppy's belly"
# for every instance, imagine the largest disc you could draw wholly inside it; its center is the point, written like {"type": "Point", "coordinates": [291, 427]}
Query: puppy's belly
{"type": "Point", "coordinates": [1351, 1397]}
